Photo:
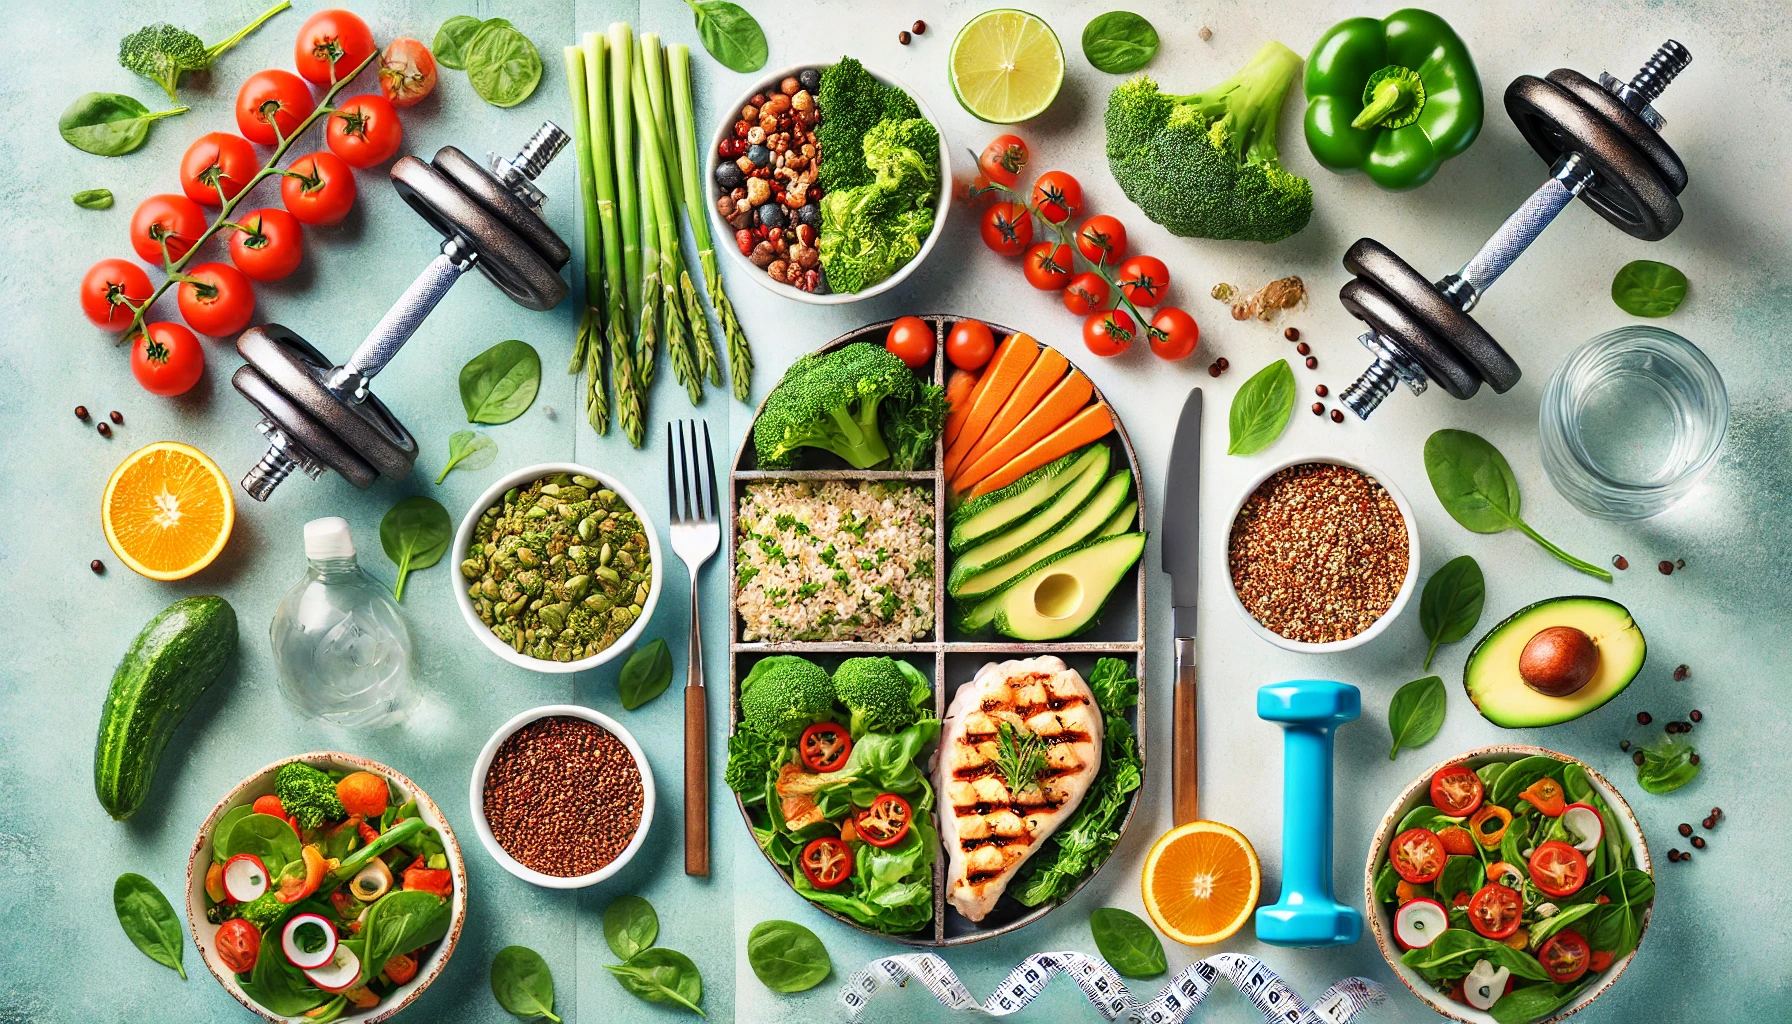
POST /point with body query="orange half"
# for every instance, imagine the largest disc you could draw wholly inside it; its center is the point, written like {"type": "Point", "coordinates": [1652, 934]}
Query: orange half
{"type": "Point", "coordinates": [1201, 882]}
{"type": "Point", "coordinates": [167, 510]}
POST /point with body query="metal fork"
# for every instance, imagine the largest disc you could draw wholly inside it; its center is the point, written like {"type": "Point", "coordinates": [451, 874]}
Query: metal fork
{"type": "Point", "coordinates": [695, 537]}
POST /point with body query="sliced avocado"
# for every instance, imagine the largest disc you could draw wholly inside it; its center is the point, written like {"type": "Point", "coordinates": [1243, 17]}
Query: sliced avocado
{"type": "Point", "coordinates": [1028, 532]}
{"type": "Point", "coordinates": [1063, 595]}
{"type": "Point", "coordinates": [982, 517]}
{"type": "Point", "coordinates": [1075, 514]}
{"type": "Point", "coordinates": [1502, 694]}
{"type": "Point", "coordinates": [1123, 520]}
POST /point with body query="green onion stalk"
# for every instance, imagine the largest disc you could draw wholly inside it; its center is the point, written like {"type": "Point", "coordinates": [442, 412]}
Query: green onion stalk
{"type": "Point", "coordinates": [587, 351]}
{"type": "Point", "coordinates": [648, 333]}
{"type": "Point", "coordinates": [622, 128]}
{"type": "Point", "coordinates": [740, 356]}
{"type": "Point", "coordinates": [622, 365]}
{"type": "Point", "coordinates": [664, 219]}
{"type": "Point", "coordinates": [658, 91]}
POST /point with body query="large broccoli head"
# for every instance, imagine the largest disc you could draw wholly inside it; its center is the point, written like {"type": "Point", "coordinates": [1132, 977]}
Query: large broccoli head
{"type": "Point", "coordinates": [785, 694]}
{"type": "Point", "coordinates": [830, 401]}
{"type": "Point", "coordinates": [308, 795]}
{"type": "Point", "coordinates": [1205, 165]}
{"type": "Point", "coordinates": [883, 694]}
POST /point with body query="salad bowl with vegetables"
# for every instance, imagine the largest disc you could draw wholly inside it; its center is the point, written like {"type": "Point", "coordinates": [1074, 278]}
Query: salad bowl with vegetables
{"type": "Point", "coordinates": [1509, 885]}
{"type": "Point", "coordinates": [325, 887]}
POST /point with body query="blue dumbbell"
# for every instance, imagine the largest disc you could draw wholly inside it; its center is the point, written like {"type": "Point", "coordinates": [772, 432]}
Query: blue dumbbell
{"type": "Point", "coordinates": [1308, 710]}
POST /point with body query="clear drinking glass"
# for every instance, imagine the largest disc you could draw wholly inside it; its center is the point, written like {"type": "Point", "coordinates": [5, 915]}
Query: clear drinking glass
{"type": "Point", "coordinates": [1631, 421]}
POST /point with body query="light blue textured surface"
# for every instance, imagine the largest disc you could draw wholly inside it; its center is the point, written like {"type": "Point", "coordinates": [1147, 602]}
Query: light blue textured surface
{"type": "Point", "coordinates": [1719, 941]}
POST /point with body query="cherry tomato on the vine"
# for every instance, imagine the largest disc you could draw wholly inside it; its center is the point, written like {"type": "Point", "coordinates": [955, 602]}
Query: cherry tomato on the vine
{"type": "Point", "coordinates": [166, 358]}
{"type": "Point", "coordinates": [1007, 229]}
{"type": "Point", "coordinates": [1110, 332]}
{"type": "Point", "coordinates": [1144, 280]}
{"type": "Point", "coordinates": [1049, 266]}
{"type": "Point", "coordinates": [1003, 159]}
{"type": "Point", "coordinates": [407, 72]}
{"type": "Point", "coordinates": [970, 345]}
{"type": "Point", "coordinates": [270, 106]}
{"type": "Point", "coordinates": [1175, 334]}
{"type": "Point", "coordinates": [911, 340]}
{"type": "Point", "coordinates": [1086, 293]}
{"type": "Point", "coordinates": [173, 219]}
{"type": "Point", "coordinates": [1102, 240]}
{"type": "Point", "coordinates": [318, 189]}
{"type": "Point", "coordinates": [364, 130]}
{"type": "Point", "coordinates": [106, 289]}
{"type": "Point", "coordinates": [216, 162]}
{"type": "Point", "coordinates": [218, 301]}
{"type": "Point", "coordinates": [1057, 196]}
{"type": "Point", "coordinates": [331, 45]}
{"type": "Point", "coordinates": [270, 245]}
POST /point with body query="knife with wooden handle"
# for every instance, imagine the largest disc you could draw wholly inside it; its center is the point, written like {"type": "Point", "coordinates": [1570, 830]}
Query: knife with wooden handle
{"type": "Point", "coordinates": [1180, 530]}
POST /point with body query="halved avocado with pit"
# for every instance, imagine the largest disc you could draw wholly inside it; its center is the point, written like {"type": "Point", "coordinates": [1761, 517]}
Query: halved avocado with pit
{"type": "Point", "coordinates": [1512, 687]}
{"type": "Point", "coordinates": [1064, 595]}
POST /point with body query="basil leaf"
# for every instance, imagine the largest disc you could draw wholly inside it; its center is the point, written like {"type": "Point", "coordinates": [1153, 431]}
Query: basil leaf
{"type": "Point", "coordinates": [630, 926]}
{"type": "Point", "coordinates": [467, 450]}
{"type": "Point", "coordinates": [1451, 604]}
{"type": "Point", "coordinates": [499, 384]}
{"type": "Point", "coordinates": [1261, 408]}
{"type": "Point", "coordinates": [787, 957]}
{"type": "Point", "coordinates": [645, 676]}
{"type": "Point", "coordinates": [1119, 42]}
{"type": "Point", "coordinates": [415, 534]}
{"type": "Point", "coordinates": [502, 64]}
{"type": "Point", "coordinates": [1416, 713]}
{"type": "Point", "coordinates": [522, 983]}
{"type": "Point", "coordinates": [1667, 765]}
{"type": "Point", "coordinates": [148, 920]}
{"type": "Point", "coordinates": [108, 123]}
{"type": "Point", "coordinates": [1127, 943]}
{"type": "Point", "coordinates": [1647, 288]}
{"type": "Point", "coordinates": [94, 199]}
{"type": "Point", "coordinates": [1474, 483]}
{"type": "Point", "coordinates": [730, 34]}
{"type": "Point", "coordinates": [661, 975]}
{"type": "Point", "coordinates": [452, 39]}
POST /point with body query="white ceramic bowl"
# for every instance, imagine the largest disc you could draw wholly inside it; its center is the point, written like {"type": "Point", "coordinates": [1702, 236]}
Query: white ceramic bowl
{"type": "Point", "coordinates": [725, 234]}
{"type": "Point", "coordinates": [463, 540]}
{"type": "Point", "coordinates": [1406, 586]}
{"type": "Point", "coordinates": [1382, 923]}
{"type": "Point", "coordinates": [262, 784]}
{"type": "Point", "coordinates": [476, 797]}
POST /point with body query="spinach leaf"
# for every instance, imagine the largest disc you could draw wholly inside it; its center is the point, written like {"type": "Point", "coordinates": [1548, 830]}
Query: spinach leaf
{"type": "Point", "coordinates": [499, 384]}
{"type": "Point", "coordinates": [1461, 874]}
{"type": "Point", "coordinates": [108, 123]}
{"type": "Point", "coordinates": [148, 920]}
{"type": "Point", "coordinates": [1542, 930]}
{"type": "Point", "coordinates": [1119, 42]}
{"type": "Point", "coordinates": [415, 534]}
{"type": "Point", "coordinates": [1490, 772]}
{"type": "Point", "coordinates": [1667, 765]}
{"type": "Point", "coordinates": [265, 836]}
{"type": "Point", "coordinates": [1453, 954]}
{"type": "Point", "coordinates": [399, 922]}
{"type": "Point", "coordinates": [278, 986]}
{"type": "Point", "coordinates": [1428, 817]}
{"type": "Point", "coordinates": [502, 64]}
{"type": "Point", "coordinates": [1416, 713]}
{"type": "Point", "coordinates": [1386, 881]}
{"type": "Point", "coordinates": [94, 199]}
{"type": "Point", "coordinates": [630, 925]}
{"type": "Point", "coordinates": [1475, 485]}
{"type": "Point", "coordinates": [467, 450]}
{"type": "Point", "coordinates": [1576, 784]}
{"type": "Point", "coordinates": [661, 975]}
{"type": "Point", "coordinates": [1451, 604]}
{"type": "Point", "coordinates": [1533, 1001]}
{"type": "Point", "coordinates": [221, 831]}
{"type": "Point", "coordinates": [1261, 408]}
{"type": "Point", "coordinates": [730, 34]}
{"type": "Point", "coordinates": [522, 983]}
{"type": "Point", "coordinates": [1127, 943]}
{"type": "Point", "coordinates": [645, 676]}
{"type": "Point", "coordinates": [452, 39]}
{"type": "Point", "coordinates": [1647, 288]}
{"type": "Point", "coordinates": [787, 957]}
{"type": "Point", "coordinates": [1518, 777]}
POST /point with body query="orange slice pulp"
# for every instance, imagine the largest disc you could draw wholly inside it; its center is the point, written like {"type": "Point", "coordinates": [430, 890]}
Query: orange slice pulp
{"type": "Point", "coordinates": [167, 510]}
{"type": "Point", "coordinates": [1201, 882]}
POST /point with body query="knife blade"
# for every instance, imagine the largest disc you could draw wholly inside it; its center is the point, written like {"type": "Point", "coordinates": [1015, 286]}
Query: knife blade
{"type": "Point", "coordinates": [1180, 530]}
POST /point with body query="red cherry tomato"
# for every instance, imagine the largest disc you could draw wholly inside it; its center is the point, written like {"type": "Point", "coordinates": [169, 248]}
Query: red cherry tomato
{"type": "Point", "coordinates": [970, 345]}
{"type": "Point", "coordinates": [885, 822]}
{"type": "Point", "coordinates": [1144, 280]}
{"type": "Point", "coordinates": [1109, 333]}
{"type": "Point", "coordinates": [1102, 240]}
{"type": "Point", "coordinates": [218, 301]}
{"type": "Point", "coordinates": [270, 245]}
{"type": "Point", "coordinates": [364, 130]}
{"type": "Point", "coordinates": [1175, 334]}
{"type": "Point", "coordinates": [318, 189]}
{"type": "Point", "coordinates": [173, 219]}
{"type": "Point", "coordinates": [1558, 869]}
{"type": "Point", "coordinates": [270, 106]}
{"type": "Point", "coordinates": [331, 45]}
{"type": "Point", "coordinates": [1601, 960]}
{"type": "Point", "coordinates": [166, 358]}
{"type": "Point", "coordinates": [1565, 956]}
{"type": "Point", "coordinates": [1057, 196]}
{"type": "Point", "coordinates": [269, 804]}
{"type": "Point", "coordinates": [1049, 266]}
{"type": "Point", "coordinates": [106, 289]}
{"type": "Point", "coordinates": [214, 162]}
{"type": "Point", "coordinates": [238, 944]}
{"type": "Point", "coordinates": [826, 862]}
{"type": "Point", "coordinates": [1456, 790]}
{"type": "Point", "coordinates": [911, 340]}
{"type": "Point", "coordinates": [1007, 229]}
{"type": "Point", "coordinates": [824, 746]}
{"type": "Point", "coordinates": [1418, 855]}
{"type": "Point", "coordinates": [1086, 293]}
{"type": "Point", "coordinates": [407, 72]}
{"type": "Point", "coordinates": [1495, 910]}
{"type": "Point", "coordinates": [1002, 160]}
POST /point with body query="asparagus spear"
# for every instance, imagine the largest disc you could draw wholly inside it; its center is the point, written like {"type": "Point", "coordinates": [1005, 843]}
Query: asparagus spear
{"type": "Point", "coordinates": [622, 366]}
{"type": "Point", "coordinates": [587, 353]}
{"type": "Point", "coordinates": [663, 218]}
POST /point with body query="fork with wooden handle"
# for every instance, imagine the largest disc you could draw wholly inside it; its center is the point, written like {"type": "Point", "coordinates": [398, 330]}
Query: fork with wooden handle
{"type": "Point", "coordinates": [696, 534]}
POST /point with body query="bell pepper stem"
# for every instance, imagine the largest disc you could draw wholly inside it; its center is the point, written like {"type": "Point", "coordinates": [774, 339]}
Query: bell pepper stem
{"type": "Point", "coordinates": [1391, 94]}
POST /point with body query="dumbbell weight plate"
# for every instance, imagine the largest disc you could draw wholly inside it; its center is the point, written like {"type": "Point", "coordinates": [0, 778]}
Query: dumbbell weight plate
{"type": "Point", "coordinates": [511, 263]}
{"type": "Point", "coordinates": [302, 428]}
{"type": "Point", "coordinates": [1371, 305]}
{"type": "Point", "coordinates": [1441, 320]}
{"type": "Point", "coordinates": [502, 203]}
{"type": "Point", "coordinates": [1627, 190]}
{"type": "Point", "coordinates": [297, 371]}
{"type": "Point", "coordinates": [1636, 130]}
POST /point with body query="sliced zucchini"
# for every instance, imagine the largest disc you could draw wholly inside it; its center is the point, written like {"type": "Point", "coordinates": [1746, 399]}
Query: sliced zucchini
{"type": "Point", "coordinates": [971, 581]}
{"type": "Point", "coordinates": [982, 517]}
{"type": "Point", "coordinates": [1123, 520]}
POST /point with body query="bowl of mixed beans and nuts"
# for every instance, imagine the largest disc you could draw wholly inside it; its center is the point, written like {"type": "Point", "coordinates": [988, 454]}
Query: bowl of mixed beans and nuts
{"type": "Point", "coordinates": [559, 568]}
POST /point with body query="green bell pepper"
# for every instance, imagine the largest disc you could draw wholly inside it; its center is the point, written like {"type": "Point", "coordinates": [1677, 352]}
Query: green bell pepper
{"type": "Point", "coordinates": [1393, 98]}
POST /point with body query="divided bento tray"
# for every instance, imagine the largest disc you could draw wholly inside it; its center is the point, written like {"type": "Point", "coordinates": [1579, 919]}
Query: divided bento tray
{"type": "Point", "coordinates": [948, 657]}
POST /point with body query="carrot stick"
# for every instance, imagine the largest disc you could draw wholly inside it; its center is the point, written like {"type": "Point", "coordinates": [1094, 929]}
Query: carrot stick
{"type": "Point", "coordinates": [1090, 425]}
{"type": "Point", "coordinates": [1006, 368]}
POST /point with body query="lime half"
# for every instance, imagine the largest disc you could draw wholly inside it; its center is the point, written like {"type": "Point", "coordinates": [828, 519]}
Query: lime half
{"type": "Point", "coordinates": [1006, 66]}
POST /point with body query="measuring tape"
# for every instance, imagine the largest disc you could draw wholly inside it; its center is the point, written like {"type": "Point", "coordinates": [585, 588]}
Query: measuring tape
{"type": "Point", "coordinates": [1272, 996]}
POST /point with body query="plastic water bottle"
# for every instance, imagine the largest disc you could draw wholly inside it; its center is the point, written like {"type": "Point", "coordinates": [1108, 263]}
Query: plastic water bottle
{"type": "Point", "coordinates": [342, 650]}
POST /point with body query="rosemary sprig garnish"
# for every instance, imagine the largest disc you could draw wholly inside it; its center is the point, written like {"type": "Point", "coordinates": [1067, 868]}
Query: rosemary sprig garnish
{"type": "Point", "coordinates": [1020, 757]}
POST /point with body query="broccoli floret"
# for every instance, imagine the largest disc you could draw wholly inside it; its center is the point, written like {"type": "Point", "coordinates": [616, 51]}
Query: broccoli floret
{"type": "Point", "coordinates": [905, 155]}
{"type": "Point", "coordinates": [785, 694]}
{"type": "Point", "coordinates": [830, 401]}
{"type": "Point", "coordinates": [851, 103]}
{"type": "Point", "coordinates": [911, 427]}
{"type": "Point", "coordinates": [308, 795]}
{"type": "Point", "coordinates": [163, 53]}
{"type": "Point", "coordinates": [883, 694]}
{"type": "Point", "coordinates": [263, 910]}
{"type": "Point", "coordinates": [1205, 165]}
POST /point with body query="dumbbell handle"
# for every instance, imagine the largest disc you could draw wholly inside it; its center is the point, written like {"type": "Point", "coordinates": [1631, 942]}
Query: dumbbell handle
{"type": "Point", "coordinates": [1571, 173]}
{"type": "Point", "coordinates": [401, 321]}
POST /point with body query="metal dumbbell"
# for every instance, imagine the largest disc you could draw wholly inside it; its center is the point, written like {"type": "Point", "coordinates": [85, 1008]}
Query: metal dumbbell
{"type": "Point", "coordinates": [1603, 144]}
{"type": "Point", "coordinates": [317, 416]}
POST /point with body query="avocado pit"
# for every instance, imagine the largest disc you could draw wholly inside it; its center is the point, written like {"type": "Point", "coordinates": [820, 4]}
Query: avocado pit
{"type": "Point", "coordinates": [1558, 661]}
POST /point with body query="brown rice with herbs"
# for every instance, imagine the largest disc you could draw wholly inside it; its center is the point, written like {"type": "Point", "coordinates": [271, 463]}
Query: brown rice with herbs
{"type": "Point", "coordinates": [835, 561]}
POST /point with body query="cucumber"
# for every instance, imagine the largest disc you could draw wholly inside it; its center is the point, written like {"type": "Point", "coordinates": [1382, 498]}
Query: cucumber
{"type": "Point", "coordinates": [1123, 520]}
{"type": "Point", "coordinates": [1029, 532]}
{"type": "Point", "coordinates": [978, 581]}
{"type": "Point", "coordinates": [981, 518]}
{"type": "Point", "coordinates": [177, 655]}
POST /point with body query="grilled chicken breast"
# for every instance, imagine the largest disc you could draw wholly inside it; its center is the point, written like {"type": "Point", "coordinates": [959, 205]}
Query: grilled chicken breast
{"type": "Point", "coordinates": [991, 824]}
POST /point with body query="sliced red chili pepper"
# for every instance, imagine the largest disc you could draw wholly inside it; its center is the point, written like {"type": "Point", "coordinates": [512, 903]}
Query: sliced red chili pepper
{"type": "Point", "coordinates": [824, 746]}
{"type": "Point", "coordinates": [886, 821]}
{"type": "Point", "coordinates": [1478, 825]}
{"type": "Point", "coordinates": [1546, 795]}
{"type": "Point", "coordinates": [826, 862]}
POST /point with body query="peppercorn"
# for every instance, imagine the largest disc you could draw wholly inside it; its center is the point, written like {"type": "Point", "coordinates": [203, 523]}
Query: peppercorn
{"type": "Point", "coordinates": [1205, 33]}
{"type": "Point", "coordinates": [1213, 370]}
{"type": "Point", "coordinates": [1666, 567]}
{"type": "Point", "coordinates": [1698, 842]}
{"type": "Point", "coordinates": [1644, 718]}
{"type": "Point", "coordinates": [105, 431]}
{"type": "Point", "coordinates": [116, 417]}
{"type": "Point", "coordinates": [1687, 855]}
{"type": "Point", "coordinates": [1319, 408]}
{"type": "Point", "coordinates": [1620, 563]}
{"type": "Point", "coordinates": [1623, 744]}
{"type": "Point", "coordinates": [920, 28]}
{"type": "Point", "coordinates": [81, 413]}
{"type": "Point", "coordinates": [1303, 348]}
{"type": "Point", "coordinates": [97, 566]}
{"type": "Point", "coordinates": [1717, 812]}
{"type": "Point", "coordinates": [1679, 563]}
{"type": "Point", "coordinates": [1680, 673]}
{"type": "Point", "coordinates": [1673, 855]}
{"type": "Point", "coordinates": [1292, 334]}
{"type": "Point", "coordinates": [1709, 823]}
{"type": "Point", "coordinates": [1337, 415]}
{"type": "Point", "coordinates": [1685, 829]}
{"type": "Point", "coordinates": [902, 37]}
{"type": "Point", "coordinates": [1696, 715]}
{"type": "Point", "coordinates": [1694, 759]}
{"type": "Point", "coordinates": [1312, 363]}
{"type": "Point", "coordinates": [1638, 758]}
{"type": "Point", "coordinates": [1321, 390]}
{"type": "Point", "coordinates": [1224, 365]}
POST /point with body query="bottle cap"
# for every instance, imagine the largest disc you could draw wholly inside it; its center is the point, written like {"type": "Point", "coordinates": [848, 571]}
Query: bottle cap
{"type": "Point", "coordinates": [329, 537]}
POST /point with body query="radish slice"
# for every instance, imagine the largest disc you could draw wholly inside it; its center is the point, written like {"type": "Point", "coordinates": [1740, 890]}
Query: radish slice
{"type": "Point", "coordinates": [1585, 827]}
{"type": "Point", "coordinates": [1485, 985]}
{"type": "Point", "coordinates": [245, 877]}
{"type": "Point", "coordinates": [1419, 922]}
{"type": "Point", "coordinates": [340, 974]}
{"type": "Point", "coordinates": [299, 933]}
